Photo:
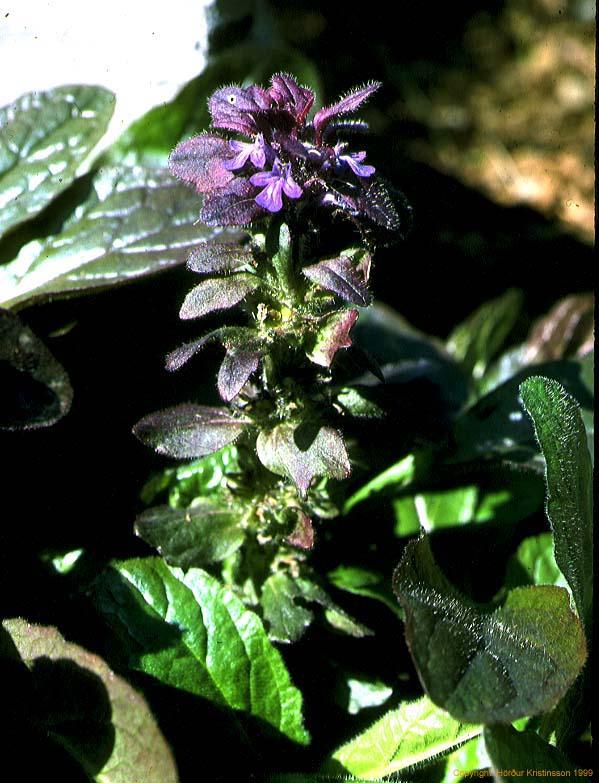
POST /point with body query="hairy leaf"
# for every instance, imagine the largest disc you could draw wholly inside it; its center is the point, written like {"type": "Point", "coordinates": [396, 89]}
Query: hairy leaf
{"type": "Point", "coordinates": [284, 452]}
{"type": "Point", "coordinates": [34, 389]}
{"type": "Point", "coordinates": [206, 532]}
{"type": "Point", "coordinates": [340, 276]}
{"type": "Point", "coordinates": [513, 751]}
{"type": "Point", "coordinates": [199, 162]}
{"type": "Point", "coordinates": [332, 334]}
{"type": "Point", "coordinates": [187, 431]}
{"type": "Point", "coordinates": [218, 293]}
{"type": "Point", "coordinates": [404, 738]}
{"type": "Point", "coordinates": [229, 336]}
{"type": "Point", "coordinates": [191, 633]}
{"type": "Point", "coordinates": [219, 258]}
{"type": "Point", "coordinates": [44, 138]}
{"type": "Point", "coordinates": [562, 438]}
{"type": "Point", "coordinates": [236, 368]}
{"type": "Point", "coordinates": [95, 715]}
{"type": "Point", "coordinates": [135, 222]}
{"type": "Point", "coordinates": [486, 665]}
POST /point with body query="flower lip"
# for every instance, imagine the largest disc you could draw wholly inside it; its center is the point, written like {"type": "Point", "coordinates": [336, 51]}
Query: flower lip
{"type": "Point", "coordinates": [274, 184]}
{"type": "Point", "coordinates": [254, 151]}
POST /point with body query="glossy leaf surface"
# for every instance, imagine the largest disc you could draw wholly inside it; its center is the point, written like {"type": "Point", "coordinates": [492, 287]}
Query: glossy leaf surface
{"type": "Point", "coordinates": [134, 222]}
{"type": "Point", "coordinates": [44, 138]}
{"type": "Point", "coordinates": [191, 633]}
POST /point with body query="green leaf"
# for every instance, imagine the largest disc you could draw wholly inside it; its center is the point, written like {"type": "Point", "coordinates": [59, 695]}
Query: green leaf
{"type": "Point", "coordinates": [134, 222]}
{"type": "Point", "coordinates": [517, 755]}
{"type": "Point", "coordinates": [562, 438]}
{"type": "Point", "coordinates": [369, 584]}
{"type": "Point", "coordinates": [534, 564]}
{"type": "Point", "coordinates": [95, 715]}
{"type": "Point", "coordinates": [366, 693]}
{"type": "Point", "coordinates": [287, 619]}
{"type": "Point", "coordinates": [206, 532]}
{"type": "Point", "coordinates": [34, 388]}
{"type": "Point", "coordinates": [395, 478]}
{"type": "Point", "coordinates": [518, 496]}
{"type": "Point", "coordinates": [200, 478]}
{"type": "Point", "coordinates": [190, 632]}
{"type": "Point", "coordinates": [355, 401]}
{"type": "Point", "coordinates": [466, 759]}
{"type": "Point", "coordinates": [332, 334]}
{"type": "Point", "coordinates": [301, 454]}
{"type": "Point", "coordinates": [44, 138]}
{"type": "Point", "coordinates": [485, 664]}
{"type": "Point", "coordinates": [476, 341]}
{"type": "Point", "coordinates": [404, 738]}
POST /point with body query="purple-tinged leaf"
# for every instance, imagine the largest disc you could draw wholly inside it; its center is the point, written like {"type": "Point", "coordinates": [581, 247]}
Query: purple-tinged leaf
{"type": "Point", "coordinates": [332, 335]}
{"type": "Point", "coordinates": [199, 162]}
{"type": "Point", "coordinates": [302, 536]}
{"type": "Point", "coordinates": [232, 108]}
{"type": "Point", "coordinates": [206, 532]}
{"type": "Point", "coordinates": [227, 336]}
{"type": "Point", "coordinates": [567, 330]}
{"type": "Point", "coordinates": [324, 456]}
{"type": "Point", "coordinates": [236, 368]}
{"type": "Point", "coordinates": [232, 205]}
{"type": "Point", "coordinates": [287, 94]}
{"type": "Point", "coordinates": [341, 277]}
{"type": "Point", "coordinates": [188, 431]}
{"type": "Point", "coordinates": [217, 293]}
{"type": "Point", "coordinates": [385, 206]}
{"type": "Point", "coordinates": [352, 101]}
{"type": "Point", "coordinates": [94, 715]}
{"type": "Point", "coordinates": [218, 258]}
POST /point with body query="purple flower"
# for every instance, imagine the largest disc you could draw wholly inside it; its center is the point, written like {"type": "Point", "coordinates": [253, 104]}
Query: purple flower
{"type": "Point", "coordinates": [254, 151]}
{"type": "Point", "coordinates": [275, 183]}
{"type": "Point", "coordinates": [354, 161]}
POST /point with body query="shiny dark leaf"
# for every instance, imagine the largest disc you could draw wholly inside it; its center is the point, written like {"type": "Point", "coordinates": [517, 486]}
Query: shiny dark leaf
{"type": "Point", "coordinates": [340, 276]}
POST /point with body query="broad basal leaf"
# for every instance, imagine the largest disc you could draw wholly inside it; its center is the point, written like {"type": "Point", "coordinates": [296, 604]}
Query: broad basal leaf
{"type": "Point", "coordinates": [44, 138]}
{"type": "Point", "coordinates": [534, 564]}
{"type": "Point", "coordinates": [484, 664]}
{"type": "Point", "coordinates": [134, 222]}
{"type": "Point", "coordinates": [191, 633]}
{"type": "Point", "coordinates": [402, 739]}
{"type": "Point", "coordinates": [206, 532]}
{"type": "Point", "coordinates": [218, 293]}
{"type": "Point", "coordinates": [562, 438]}
{"type": "Point", "coordinates": [95, 715]}
{"type": "Point", "coordinates": [34, 389]}
{"type": "Point", "coordinates": [288, 453]}
{"type": "Point", "coordinates": [188, 431]}
{"type": "Point", "coordinates": [479, 338]}
{"type": "Point", "coordinates": [517, 755]}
